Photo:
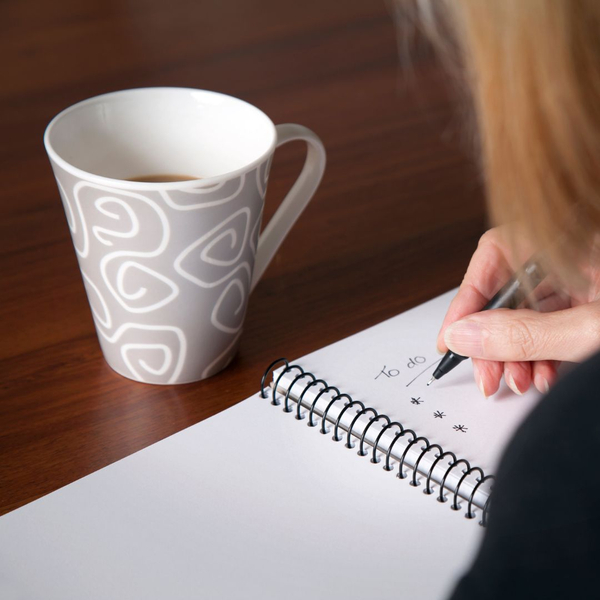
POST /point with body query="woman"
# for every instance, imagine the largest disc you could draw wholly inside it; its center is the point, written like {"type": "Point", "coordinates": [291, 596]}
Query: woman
{"type": "Point", "coordinates": [532, 68]}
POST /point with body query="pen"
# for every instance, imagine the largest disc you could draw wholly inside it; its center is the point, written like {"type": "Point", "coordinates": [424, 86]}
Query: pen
{"type": "Point", "coordinates": [525, 280]}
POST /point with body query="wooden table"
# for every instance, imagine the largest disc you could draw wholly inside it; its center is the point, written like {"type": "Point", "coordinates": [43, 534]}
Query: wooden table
{"type": "Point", "coordinates": [394, 222]}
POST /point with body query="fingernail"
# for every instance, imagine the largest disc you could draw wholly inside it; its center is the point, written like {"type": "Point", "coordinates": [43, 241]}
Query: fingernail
{"type": "Point", "coordinates": [510, 380]}
{"type": "Point", "coordinates": [541, 384]}
{"type": "Point", "coordinates": [464, 337]}
{"type": "Point", "coordinates": [482, 388]}
{"type": "Point", "coordinates": [479, 380]}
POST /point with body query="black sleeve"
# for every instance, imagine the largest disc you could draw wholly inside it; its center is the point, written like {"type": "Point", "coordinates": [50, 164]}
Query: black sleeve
{"type": "Point", "coordinates": [543, 536]}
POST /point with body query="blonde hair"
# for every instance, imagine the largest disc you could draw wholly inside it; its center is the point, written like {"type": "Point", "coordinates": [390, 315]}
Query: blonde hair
{"type": "Point", "coordinates": [533, 71]}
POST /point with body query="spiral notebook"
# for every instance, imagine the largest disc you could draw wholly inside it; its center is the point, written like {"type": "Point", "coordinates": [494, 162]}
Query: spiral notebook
{"type": "Point", "coordinates": [345, 476]}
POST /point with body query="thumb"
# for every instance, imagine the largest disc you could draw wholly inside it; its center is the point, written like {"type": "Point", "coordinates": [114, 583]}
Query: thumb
{"type": "Point", "coordinates": [524, 335]}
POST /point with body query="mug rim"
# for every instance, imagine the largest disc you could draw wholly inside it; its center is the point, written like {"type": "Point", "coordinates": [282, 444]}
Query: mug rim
{"type": "Point", "coordinates": [148, 185]}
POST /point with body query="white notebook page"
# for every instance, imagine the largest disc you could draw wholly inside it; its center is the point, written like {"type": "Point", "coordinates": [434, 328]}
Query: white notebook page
{"type": "Point", "coordinates": [248, 504]}
{"type": "Point", "coordinates": [388, 367]}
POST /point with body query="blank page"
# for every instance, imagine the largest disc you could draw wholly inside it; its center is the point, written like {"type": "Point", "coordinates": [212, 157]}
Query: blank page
{"type": "Point", "coordinates": [248, 504]}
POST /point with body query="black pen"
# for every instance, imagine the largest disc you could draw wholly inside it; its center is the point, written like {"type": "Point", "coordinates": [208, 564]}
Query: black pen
{"type": "Point", "coordinates": [511, 295]}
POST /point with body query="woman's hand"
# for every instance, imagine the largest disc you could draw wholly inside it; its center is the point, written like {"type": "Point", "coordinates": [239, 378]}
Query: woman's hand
{"type": "Point", "coordinates": [523, 345]}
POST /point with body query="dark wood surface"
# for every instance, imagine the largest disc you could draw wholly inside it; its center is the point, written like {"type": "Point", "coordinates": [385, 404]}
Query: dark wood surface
{"type": "Point", "coordinates": [394, 222]}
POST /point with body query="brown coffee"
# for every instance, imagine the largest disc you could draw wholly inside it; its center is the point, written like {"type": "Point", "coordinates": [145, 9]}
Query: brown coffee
{"type": "Point", "coordinates": [162, 178]}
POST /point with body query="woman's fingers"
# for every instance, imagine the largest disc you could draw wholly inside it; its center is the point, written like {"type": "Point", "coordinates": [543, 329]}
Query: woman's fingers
{"type": "Point", "coordinates": [522, 345]}
{"type": "Point", "coordinates": [544, 374]}
{"type": "Point", "coordinates": [525, 335]}
{"type": "Point", "coordinates": [548, 301]}
{"type": "Point", "coordinates": [487, 272]}
{"type": "Point", "coordinates": [518, 376]}
{"type": "Point", "coordinates": [488, 374]}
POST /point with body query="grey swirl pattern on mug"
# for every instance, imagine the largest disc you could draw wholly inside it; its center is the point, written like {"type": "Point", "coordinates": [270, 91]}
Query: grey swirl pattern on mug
{"type": "Point", "coordinates": [167, 273]}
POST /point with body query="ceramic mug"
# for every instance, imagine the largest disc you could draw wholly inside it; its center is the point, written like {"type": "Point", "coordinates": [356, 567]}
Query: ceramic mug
{"type": "Point", "coordinates": [168, 266]}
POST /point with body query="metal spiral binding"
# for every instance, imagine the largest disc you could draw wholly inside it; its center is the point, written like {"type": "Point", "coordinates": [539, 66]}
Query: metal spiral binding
{"type": "Point", "coordinates": [349, 402]}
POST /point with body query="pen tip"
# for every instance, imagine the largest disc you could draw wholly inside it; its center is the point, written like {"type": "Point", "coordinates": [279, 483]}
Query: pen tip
{"type": "Point", "coordinates": [430, 381]}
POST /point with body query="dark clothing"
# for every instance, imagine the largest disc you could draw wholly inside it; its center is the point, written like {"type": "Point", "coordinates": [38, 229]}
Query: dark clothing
{"type": "Point", "coordinates": [543, 536]}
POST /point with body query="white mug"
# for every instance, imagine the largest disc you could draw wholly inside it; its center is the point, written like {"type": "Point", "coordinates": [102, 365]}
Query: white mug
{"type": "Point", "coordinates": [168, 266]}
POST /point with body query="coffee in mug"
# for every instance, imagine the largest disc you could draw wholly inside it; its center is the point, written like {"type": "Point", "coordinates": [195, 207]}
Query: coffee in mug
{"type": "Point", "coordinates": [163, 178]}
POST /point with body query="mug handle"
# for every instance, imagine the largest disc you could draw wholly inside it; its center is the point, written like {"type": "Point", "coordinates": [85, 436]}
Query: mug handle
{"type": "Point", "coordinates": [296, 199]}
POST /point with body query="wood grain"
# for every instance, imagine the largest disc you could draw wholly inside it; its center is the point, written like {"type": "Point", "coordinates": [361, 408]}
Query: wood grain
{"type": "Point", "coordinates": [394, 223]}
